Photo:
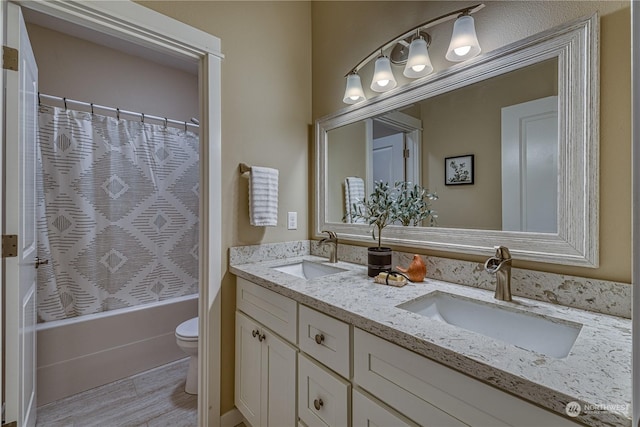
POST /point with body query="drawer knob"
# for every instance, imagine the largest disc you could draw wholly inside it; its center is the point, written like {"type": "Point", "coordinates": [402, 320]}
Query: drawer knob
{"type": "Point", "coordinates": [318, 403]}
{"type": "Point", "coordinates": [319, 338]}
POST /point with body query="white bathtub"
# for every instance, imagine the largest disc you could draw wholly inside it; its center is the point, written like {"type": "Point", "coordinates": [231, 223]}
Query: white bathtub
{"type": "Point", "coordinates": [84, 352]}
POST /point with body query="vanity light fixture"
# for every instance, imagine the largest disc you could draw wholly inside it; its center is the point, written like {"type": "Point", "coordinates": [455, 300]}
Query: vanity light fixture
{"type": "Point", "coordinates": [411, 49]}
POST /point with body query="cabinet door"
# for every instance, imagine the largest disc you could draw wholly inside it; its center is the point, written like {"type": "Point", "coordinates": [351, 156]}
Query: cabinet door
{"type": "Point", "coordinates": [279, 381]}
{"type": "Point", "coordinates": [248, 369]}
{"type": "Point", "coordinates": [369, 413]}
{"type": "Point", "coordinates": [323, 397]}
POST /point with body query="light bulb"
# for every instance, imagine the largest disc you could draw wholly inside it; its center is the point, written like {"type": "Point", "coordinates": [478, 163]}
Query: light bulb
{"type": "Point", "coordinates": [461, 51]}
{"type": "Point", "coordinates": [464, 43]}
{"type": "Point", "coordinates": [353, 92]}
{"type": "Point", "coordinates": [418, 61]}
{"type": "Point", "coordinates": [383, 79]}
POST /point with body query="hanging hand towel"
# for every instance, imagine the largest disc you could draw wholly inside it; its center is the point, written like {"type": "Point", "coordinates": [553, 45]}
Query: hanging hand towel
{"type": "Point", "coordinates": [353, 194]}
{"type": "Point", "coordinates": [263, 196]}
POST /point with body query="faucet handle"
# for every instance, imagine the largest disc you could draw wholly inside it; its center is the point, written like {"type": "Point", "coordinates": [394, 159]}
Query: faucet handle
{"type": "Point", "coordinates": [332, 234]}
{"type": "Point", "coordinates": [502, 252]}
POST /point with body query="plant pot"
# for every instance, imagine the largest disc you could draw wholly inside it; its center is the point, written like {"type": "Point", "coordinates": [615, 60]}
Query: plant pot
{"type": "Point", "coordinates": [379, 260]}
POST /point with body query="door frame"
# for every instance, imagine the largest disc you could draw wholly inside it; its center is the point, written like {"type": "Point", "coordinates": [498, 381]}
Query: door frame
{"type": "Point", "coordinates": [412, 128]}
{"type": "Point", "coordinates": [137, 24]}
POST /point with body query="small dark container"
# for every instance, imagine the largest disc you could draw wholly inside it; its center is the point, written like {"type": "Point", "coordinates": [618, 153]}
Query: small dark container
{"type": "Point", "coordinates": [379, 260]}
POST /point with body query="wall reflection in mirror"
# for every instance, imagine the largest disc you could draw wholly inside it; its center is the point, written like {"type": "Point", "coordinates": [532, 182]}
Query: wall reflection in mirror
{"type": "Point", "coordinates": [509, 123]}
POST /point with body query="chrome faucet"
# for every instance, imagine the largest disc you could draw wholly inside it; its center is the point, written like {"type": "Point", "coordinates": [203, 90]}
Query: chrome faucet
{"type": "Point", "coordinates": [500, 265]}
{"type": "Point", "coordinates": [333, 240]}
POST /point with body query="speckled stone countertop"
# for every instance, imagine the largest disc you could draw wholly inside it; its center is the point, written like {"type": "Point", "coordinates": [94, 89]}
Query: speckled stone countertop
{"type": "Point", "coordinates": [596, 373]}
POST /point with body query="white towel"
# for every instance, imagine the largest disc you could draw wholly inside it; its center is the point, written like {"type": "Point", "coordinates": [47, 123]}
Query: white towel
{"type": "Point", "coordinates": [353, 194]}
{"type": "Point", "coordinates": [263, 196]}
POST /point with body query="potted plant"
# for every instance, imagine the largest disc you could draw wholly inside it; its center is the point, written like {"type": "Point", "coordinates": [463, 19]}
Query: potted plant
{"type": "Point", "coordinates": [378, 210]}
{"type": "Point", "coordinates": [403, 203]}
{"type": "Point", "coordinates": [414, 204]}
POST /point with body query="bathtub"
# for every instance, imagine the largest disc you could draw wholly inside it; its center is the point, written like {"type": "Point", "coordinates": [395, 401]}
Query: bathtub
{"type": "Point", "coordinates": [84, 352]}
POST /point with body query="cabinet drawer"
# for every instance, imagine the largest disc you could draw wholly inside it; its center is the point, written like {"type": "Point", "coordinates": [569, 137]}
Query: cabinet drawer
{"type": "Point", "coordinates": [367, 412]}
{"type": "Point", "coordinates": [326, 339]}
{"type": "Point", "coordinates": [323, 397]}
{"type": "Point", "coordinates": [273, 310]}
{"type": "Point", "coordinates": [432, 394]}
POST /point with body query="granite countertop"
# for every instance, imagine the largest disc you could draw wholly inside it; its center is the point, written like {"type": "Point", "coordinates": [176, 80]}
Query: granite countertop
{"type": "Point", "coordinates": [596, 373]}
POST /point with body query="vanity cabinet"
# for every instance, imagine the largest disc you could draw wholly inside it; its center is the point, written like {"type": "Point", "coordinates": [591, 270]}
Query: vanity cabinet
{"type": "Point", "coordinates": [265, 356]}
{"type": "Point", "coordinates": [265, 375]}
{"type": "Point", "coordinates": [431, 394]}
{"type": "Point", "coordinates": [298, 366]}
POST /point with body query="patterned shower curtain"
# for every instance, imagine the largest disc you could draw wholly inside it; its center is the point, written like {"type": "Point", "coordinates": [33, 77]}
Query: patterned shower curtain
{"type": "Point", "coordinates": [119, 216]}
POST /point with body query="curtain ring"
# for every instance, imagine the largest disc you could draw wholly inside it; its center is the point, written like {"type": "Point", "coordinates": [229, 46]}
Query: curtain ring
{"type": "Point", "coordinates": [185, 126]}
{"type": "Point", "coordinates": [118, 113]}
{"type": "Point", "coordinates": [142, 118]}
{"type": "Point", "coordinates": [92, 108]}
{"type": "Point", "coordinates": [39, 100]}
{"type": "Point", "coordinates": [166, 122]}
{"type": "Point", "coordinates": [65, 103]}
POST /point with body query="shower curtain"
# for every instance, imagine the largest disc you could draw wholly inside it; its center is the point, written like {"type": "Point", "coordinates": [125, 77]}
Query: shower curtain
{"type": "Point", "coordinates": [118, 219]}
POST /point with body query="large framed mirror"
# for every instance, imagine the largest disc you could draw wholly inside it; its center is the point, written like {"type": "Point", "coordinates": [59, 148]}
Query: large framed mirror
{"type": "Point", "coordinates": [508, 141]}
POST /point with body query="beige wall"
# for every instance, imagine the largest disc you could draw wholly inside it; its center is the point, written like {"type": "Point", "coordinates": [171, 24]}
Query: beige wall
{"type": "Point", "coordinates": [344, 32]}
{"type": "Point", "coordinates": [80, 70]}
{"type": "Point", "coordinates": [266, 113]}
{"type": "Point", "coordinates": [468, 121]}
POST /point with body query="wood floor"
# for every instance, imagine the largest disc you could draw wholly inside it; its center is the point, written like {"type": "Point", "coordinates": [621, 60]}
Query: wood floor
{"type": "Point", "coordinates": [153, 398]}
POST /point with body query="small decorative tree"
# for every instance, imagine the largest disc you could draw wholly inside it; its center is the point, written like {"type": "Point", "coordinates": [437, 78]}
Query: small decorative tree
{"type": "Point", "coordinates": [378, 210]}
{"type": "Point", "coordinates": [413, 204]}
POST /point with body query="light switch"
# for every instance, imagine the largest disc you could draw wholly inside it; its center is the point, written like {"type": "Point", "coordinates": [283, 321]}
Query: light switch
{"type": "Point", "coordinates": [292, 220]}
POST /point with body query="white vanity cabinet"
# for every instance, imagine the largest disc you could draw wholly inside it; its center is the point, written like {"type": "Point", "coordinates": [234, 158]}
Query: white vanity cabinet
{"type": "Point", "coordinates": [296, 366]}
{"type": "Point", "coordinates": [431, 394]}
{"type": "Point", "coordinates": [265, 372]}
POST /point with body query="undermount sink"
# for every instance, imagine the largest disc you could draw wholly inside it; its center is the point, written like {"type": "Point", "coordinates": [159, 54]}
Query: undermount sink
{"type": "Point", "coordinates": [529, 331]}
{"type": "Point", "coordinates": [308, 269]}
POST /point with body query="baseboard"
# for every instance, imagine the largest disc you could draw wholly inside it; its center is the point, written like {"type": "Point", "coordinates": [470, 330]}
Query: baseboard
{"type": "Point", "coordinates": [232, 418]}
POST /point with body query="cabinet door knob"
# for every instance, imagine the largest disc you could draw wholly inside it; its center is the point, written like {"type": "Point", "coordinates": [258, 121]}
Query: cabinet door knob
{"type": "Point", "coordinates": [262, 337]}
{"type": "Point", "coordinates": [255, 333]}
{"type": "Point", "coordinates": [318, 403]}
{"type": "Point", "coordinates": [319, 338]}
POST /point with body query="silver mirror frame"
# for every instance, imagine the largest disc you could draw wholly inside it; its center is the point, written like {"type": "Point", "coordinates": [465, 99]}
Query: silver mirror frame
{"type": "Point", "coordinates": [575, 45]}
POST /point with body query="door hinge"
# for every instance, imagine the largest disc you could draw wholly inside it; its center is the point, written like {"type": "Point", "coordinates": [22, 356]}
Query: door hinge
{"type": "Point", "coordinates": [9, 245]}
{"type": "Point", "coordinates": [405, 153]}
{"type": "Point", "coordinates": [9, 58]}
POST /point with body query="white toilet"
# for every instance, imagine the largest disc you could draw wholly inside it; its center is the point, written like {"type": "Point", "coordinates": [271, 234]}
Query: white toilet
{"type": "Point", "coordinates": [187, 339]}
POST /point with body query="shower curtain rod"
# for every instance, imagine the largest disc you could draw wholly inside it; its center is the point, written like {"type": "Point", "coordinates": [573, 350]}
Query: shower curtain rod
{"type": "Point", "coordinates": [56, 101]}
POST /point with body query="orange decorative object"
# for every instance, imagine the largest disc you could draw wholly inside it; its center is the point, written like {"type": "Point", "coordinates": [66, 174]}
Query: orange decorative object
{"type": "Point", "coordinates": [416, 270]}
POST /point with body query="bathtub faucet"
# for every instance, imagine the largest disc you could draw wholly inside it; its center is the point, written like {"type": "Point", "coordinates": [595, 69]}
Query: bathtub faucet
{"type": "Point", "coordinates": [500, 265]}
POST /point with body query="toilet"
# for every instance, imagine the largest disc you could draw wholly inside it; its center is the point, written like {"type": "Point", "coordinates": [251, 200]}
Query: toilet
{"type": "Point", "coordinates": [187, 340]}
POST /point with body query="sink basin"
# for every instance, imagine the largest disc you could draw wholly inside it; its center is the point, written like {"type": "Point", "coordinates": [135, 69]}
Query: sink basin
{"type": "Point", "coordinates": [525, 330]}
{"type": "Point", "coordinates": [308, 269]}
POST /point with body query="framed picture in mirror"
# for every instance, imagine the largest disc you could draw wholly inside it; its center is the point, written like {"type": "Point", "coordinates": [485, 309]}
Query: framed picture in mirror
{"type": "Point", "coordinates": [458, 170]}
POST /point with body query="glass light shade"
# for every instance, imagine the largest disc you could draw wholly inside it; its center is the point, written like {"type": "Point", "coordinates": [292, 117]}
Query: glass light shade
{"type": "Point", "coordinates": [353, 93]}
{"type": "Point", "coordinates": [418, 63]}
{"type": "Point", "coordinates": [383, 79]}
{"type": "Point", "coordinates": [464, 43]}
